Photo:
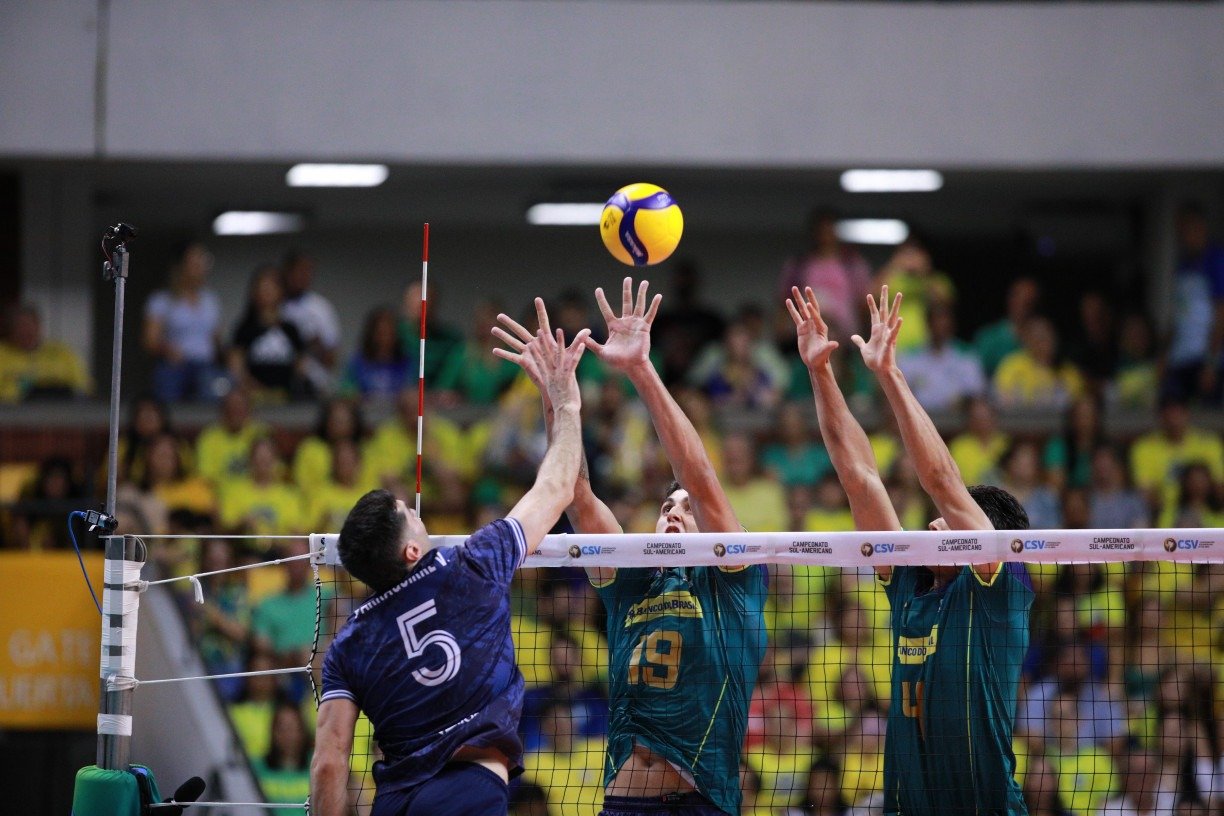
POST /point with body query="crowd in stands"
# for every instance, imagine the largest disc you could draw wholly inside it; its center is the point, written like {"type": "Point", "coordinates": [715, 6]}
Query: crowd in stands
{"type": "Point", "coordinates": [1123, 695]}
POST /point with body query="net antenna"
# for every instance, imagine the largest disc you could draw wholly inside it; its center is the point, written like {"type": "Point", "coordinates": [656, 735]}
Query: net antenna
{"type": "Point", "coordinates": [421, 365]}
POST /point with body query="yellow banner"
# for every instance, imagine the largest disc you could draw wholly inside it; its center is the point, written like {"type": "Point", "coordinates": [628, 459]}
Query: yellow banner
{"type": "Point", "coordinates": [50, 641]}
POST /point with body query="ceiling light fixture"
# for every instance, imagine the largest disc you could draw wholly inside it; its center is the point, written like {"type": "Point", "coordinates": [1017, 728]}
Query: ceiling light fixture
{"type": "Point", "coordinates": [257, 222]}
{"type": "Point", "coordinates": [336, 175]}
{"type": "Point", "coordinates": [554, 214]}
{"type": "Point", "coordinates": [884, 231]}
{"type": "Point", "coordinates": [891, 181]}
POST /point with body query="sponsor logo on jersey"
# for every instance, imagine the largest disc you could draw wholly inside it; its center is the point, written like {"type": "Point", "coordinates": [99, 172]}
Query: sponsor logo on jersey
{"type": "Point", "coordinates": [914, 651]}
{"type": "Point", "coordinates": [679, 604]}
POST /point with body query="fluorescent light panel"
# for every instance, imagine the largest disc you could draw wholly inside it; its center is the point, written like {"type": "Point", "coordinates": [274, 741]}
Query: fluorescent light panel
{"type": "Point", "coordinates": [555, 214]}
{"type": "Point", "coordinates": [336, 175]}
{"type": "Point", "coordinates": [891, 181]}
{"type": "Point", "coordinates": [885, 231]}
{"type": "Point", "coordinates": [257, 222]}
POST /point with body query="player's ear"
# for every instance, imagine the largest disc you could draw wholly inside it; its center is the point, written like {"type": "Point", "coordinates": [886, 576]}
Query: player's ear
{"type": "Point", "coordinates": [412, 552]}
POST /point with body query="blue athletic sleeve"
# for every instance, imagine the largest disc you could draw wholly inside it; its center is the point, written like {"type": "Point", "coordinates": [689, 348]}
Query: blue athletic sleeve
{"type": "Point", "coordinates": [496, 550]}
{"type": "Point", "coordinates": [336, 685]}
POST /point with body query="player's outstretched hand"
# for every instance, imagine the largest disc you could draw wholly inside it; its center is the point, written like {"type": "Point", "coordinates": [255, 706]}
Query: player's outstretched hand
{"type": "Point", "coordinates": [549, 363]}
{"type": "Point", "coordinates": [815, 347]}
{"type": "Point", "coordinates": [628, 345]}
{"type": "Point", "coordinates": [517, 337]}
{"type": "Point", "coordinates": [880, 352]}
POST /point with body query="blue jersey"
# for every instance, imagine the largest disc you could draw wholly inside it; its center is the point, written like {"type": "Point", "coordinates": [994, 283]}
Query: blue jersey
{"type": "Point", "coordinates": [431, 663]}
{"type": "Point", "coordinates": [957, 654]}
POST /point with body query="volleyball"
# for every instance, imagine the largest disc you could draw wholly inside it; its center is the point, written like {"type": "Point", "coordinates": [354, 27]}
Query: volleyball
{"type": "Point", "coordinates": [641, 224]}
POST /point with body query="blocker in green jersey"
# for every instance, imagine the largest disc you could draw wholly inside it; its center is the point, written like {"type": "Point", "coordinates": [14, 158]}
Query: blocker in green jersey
{"type": "Point", "coordinates": [957, 652]}
{"type": "Point", "coordinates": [684, 645]}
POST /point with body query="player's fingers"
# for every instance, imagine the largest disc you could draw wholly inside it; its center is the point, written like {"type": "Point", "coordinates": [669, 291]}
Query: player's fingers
{"type": "Point", "coordinates": [884, 301]}
{"type": "Point", "coordinates": [542, 315]}
{"type": "Point", "coordinates": [639, 307]}
{"type": "Point", "coordinates": [514, 326]}
{"type": "Point", "coordinates": [896, 307]}
{"type": "Point", "coordinates": [812, 302]}
{"type": "Point", "coordinates": [508, 339]}
{"type": "Point", "coordinates": [498, 351]}
{"type": "Point", "coordinates": [834, 345]}
{"type": "Point", "coordinates": [578, 347]}
{"type": "Point", "coordinates": [858, 341]}
{"type": "Point", "coordinates": [604, 308]}
{"type": "Point", "coordinates": [653, 311]}
{"type": "Point", "coordinates": [794, 313]}
{"type": "Point", "coordinates": [593, 344]}
{"type": "Point", "coordinates": [871, 307]}
{"type": "Point", "coordinates": [627, 297]}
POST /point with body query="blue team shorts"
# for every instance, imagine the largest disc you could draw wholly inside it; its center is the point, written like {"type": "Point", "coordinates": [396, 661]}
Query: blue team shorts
{"type": "Point", "coordinates": [672, 804]}
{"type": "Point", "coordinates": [459, 789]}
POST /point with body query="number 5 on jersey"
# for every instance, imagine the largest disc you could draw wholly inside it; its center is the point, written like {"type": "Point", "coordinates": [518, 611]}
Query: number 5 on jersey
{"type": "Point", "coordinates": [416, 645]}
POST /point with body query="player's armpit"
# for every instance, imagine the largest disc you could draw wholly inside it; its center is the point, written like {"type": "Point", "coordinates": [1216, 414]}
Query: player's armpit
{"type": "Point", "coordinates": [329, 769]}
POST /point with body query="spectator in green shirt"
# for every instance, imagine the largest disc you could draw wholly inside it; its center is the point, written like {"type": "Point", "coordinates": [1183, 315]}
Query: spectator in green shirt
{"type": "Point", "coordinates": [995, 341]}
{"type": "Point", "coordinates": [470, 372]}
{"type": "Point", "coordinates": [283, 624]}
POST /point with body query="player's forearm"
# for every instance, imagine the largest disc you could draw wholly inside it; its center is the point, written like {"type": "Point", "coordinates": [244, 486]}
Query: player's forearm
{"type": "Point", "coordinates": [684, 450]}
{"type": "Point", "coordinates": [559, 470]}
{"type": "Point", "coordinates": [846, 441]}
{"type": "Point", "coordinates": [937, 470]}
{"type": "Point", "coordinates": [586, 512]}
{"type": "Point", "coordinates": [329, 786]}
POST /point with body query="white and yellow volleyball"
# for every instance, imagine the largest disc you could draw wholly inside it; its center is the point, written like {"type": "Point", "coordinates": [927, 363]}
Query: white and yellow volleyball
{"type": "Point", "coordinates": [641, 224]}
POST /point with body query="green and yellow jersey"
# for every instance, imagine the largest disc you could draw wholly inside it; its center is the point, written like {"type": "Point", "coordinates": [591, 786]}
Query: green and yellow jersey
{"type": "Point", "coordinates": [957, 653]}
{"type": "Point", "coordinates": [684, 645]}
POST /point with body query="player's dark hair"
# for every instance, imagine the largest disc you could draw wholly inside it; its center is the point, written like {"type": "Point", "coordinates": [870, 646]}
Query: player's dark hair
{"type": "Point", "coordinates": [672, 487]}
{"type": "Point", "coordinates": [369, 541]}
{"type": "Point", "coordinates": [1001, 507]}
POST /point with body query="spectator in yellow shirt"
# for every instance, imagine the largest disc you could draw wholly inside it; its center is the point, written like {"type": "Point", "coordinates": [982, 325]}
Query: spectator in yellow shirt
{"type": "Point", "coordinates": [223, 449]}
{"type": "Point", "coordinates": [332, 500]}
{"type": "Point", "coordinates": [261, 504]}
{"type": "Point", "coordinates": [758, 500]}
{"type": "Point", "coordinates": [910, 271]}
{"type": "Point", "coordinates": [339, 421]}
{"type": "Point", "coordinates": [1158, 458]}
{"type": "Point", "coordinates": [32, 366]}
{"type": "Point", "coordinates": [978, 450]}
{"type": "Point", "coordinates": [170, 482]}
{"type": "Point", "coordinates": [1033, 376]}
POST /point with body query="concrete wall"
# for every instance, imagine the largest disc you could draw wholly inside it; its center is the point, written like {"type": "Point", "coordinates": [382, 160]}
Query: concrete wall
{"type": "Point", "coordinates": [760, 83]}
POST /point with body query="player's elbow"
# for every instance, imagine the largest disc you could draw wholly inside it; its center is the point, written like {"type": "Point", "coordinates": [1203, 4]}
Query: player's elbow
{"type": "Point", "coordinates": [859, 478]}
{"type": "Point", "coordinates": [328, 767]}
{"type": "Point", "coordinates": [941, 479]}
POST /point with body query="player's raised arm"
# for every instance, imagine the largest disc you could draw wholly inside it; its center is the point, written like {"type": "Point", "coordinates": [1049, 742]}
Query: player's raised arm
{"type": "Point", "coordinates": [628, 351]}
{"type": "Point", "coordinates": [937, 471]}
{"type": "Point", "coordinates": [586, 512]}
{"type": "Point", "coordinates": [553, 490]}
{"type": "Point", "coordinates": [329, 768]}
{"type": "Point", "coordinates": [847, 443]}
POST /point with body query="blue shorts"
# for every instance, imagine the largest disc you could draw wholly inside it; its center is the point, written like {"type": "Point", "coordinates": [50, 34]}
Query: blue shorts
{"type": "Point", "coordinates": [672, 804]}
{"type": "Point", "coordinates": [459, 789]}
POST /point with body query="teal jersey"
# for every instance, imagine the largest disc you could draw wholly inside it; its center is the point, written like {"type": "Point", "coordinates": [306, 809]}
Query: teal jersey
{"type": "Point", "coordinates": [684, 648]}
{"type": "Point", "coordinates": [957, 653]}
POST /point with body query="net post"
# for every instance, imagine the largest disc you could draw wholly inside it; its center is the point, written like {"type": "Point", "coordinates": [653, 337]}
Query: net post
{"type": "Point", "coordinates": [120, 605]}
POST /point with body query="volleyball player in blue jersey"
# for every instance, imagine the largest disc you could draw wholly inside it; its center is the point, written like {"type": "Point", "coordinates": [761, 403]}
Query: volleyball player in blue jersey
{"type": "Point", "coordinates": [959, 634]}
{"type": "Point", "coordinates": [684, 643]}
{"type": "Point", "coordinates": [429, 657]}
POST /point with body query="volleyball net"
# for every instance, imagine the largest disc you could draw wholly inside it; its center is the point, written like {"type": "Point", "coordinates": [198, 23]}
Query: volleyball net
{"type": "Point", "coordinates": [1119, 675]}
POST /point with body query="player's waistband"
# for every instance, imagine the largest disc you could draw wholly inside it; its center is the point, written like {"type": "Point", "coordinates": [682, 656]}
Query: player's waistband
{"type": "Point", "coordinates": [662, 803]}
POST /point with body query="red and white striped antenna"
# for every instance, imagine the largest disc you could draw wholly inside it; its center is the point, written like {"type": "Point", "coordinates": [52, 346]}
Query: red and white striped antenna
{"type": "Point", "coordinates": [421, 366]}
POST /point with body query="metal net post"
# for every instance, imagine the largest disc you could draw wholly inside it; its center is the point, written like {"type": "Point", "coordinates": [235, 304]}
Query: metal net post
{"type": "Point", "coordinates": [120, 604]}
